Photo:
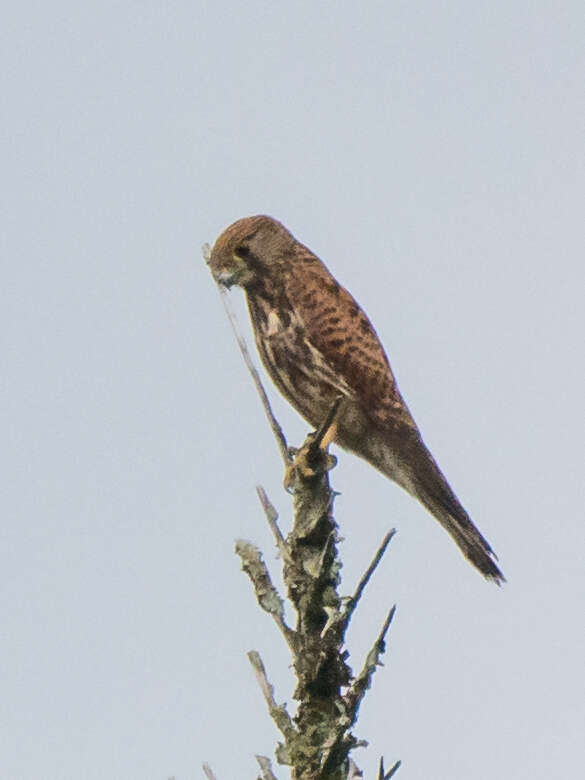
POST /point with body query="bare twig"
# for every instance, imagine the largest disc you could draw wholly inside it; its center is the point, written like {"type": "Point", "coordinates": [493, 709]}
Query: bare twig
{"type": "Point", "coordinates": [267, 595]}
{"type": "Point", "coordinates": [208, 772]}
{"type": "Point", "coordinates": [277, 712]}
{"type": "Point", "coordinates": [272, 517]}
{"type": "Point", "coordinates": [265, 768]}
{"type": "Point", "coordinates": [363, 681]}
{"type": "Point", "coordinates": [354, 772]}
{"type": "Point", "coordinates": [274, 424]}
{"type": "Point", "coordinates": [354, 600]}
{"type": "Point", "coordinates": [382, 775]}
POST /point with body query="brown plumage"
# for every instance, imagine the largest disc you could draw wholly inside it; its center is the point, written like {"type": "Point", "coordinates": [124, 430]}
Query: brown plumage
{"type": "Point", "coordinates": [316, 343]}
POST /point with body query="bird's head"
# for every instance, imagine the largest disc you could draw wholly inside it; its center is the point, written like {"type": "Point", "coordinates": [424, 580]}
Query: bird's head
{"type": "Point", "coordinates": [250, 250]}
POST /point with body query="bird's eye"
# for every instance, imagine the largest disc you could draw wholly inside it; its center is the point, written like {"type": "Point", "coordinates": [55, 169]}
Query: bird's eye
{"type": "Point", "coordinates": [242, 251]}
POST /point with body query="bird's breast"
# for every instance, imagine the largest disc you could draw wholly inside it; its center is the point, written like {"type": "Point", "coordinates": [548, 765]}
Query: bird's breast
{"type": "Point", "coordinates": [295, 366]}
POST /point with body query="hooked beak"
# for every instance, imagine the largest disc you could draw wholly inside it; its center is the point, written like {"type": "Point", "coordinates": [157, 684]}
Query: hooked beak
{"type": "Point", "coordinates": [227, 278]}
{"type": "Point", "coordinates": [236, 272]}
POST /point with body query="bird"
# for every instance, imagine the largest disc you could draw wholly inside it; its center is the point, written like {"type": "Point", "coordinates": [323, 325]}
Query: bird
{"type": "Point", "coordinates": [318, 345]}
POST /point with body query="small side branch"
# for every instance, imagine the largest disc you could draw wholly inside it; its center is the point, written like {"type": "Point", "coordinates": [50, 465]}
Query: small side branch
{"type": "Point", "coordinates": [208, 772]}
{"type": "Point", "coordinates": [354, 600]}
{"type": "Point", "coordinates": [266, 593]}
{"type": "Point", "coordinates": [383, 775]}
{"type": "Point", "coordinates": [265, 768]}
{"type": "Point", "coordinates": [277, 712]}
{"type": "Point", "coordinates": [272, 517]}
{"type": "Point", "coordinates": [354, 772]}
{"type": "Point", "coordinates": [362, 682]}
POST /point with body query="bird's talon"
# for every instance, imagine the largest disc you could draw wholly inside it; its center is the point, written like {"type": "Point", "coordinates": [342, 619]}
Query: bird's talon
{"type": "Point", "coordinates": [305, 467]}
{"type": "Point", "coordinates": [330, 462]}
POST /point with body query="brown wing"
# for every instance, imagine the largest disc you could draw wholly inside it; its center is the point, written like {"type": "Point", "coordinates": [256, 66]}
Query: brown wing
{"type": "Point", "coordinates": [339, 330]}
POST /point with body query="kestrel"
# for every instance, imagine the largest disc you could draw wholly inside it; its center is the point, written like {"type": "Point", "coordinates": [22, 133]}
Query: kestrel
{"type": "Point", "coordinates": [318, 344]}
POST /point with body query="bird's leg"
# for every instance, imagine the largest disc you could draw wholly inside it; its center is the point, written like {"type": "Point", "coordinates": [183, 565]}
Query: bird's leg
{"type": "Point", "coordinates": [312, 458]}
{"type": "Point", "coordinates": [328, 436]}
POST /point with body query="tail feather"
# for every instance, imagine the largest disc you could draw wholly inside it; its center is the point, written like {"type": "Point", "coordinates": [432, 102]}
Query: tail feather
{"type": "Point", "coordinates": [408, 462]}
{"type": "Point", "coordinates": [435, 493]}
{"type": "Point", "coordinates": [469, 540]}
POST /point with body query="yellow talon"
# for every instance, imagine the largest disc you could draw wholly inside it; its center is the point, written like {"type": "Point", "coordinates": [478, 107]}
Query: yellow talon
{"type": "Point", "coordinates": [306, 465]}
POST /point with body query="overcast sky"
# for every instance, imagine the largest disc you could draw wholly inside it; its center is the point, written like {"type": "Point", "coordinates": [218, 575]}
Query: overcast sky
{"type": "Point", "coordinates": [432, 154]}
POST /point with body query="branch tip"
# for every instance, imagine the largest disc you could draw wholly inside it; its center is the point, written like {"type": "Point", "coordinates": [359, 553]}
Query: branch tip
{"type": "Point", "coordinates": [382, 775]}
{"type": "Point", "coordinates": [277, 712]}
{"type": "Point", "coordinates": [266, 594]}
{"type": "Point", "coordinates": [208, 771]}
{"type": "Point", "coordinates": [265, 767]}
{"type": "Point", "coordinates": [272, 518]}
{"type": "Point", "coordinates": [353, 601]}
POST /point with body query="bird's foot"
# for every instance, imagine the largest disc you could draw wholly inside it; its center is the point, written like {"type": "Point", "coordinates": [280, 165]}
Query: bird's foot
{"type": "Point", "coordinates": [308, 462]}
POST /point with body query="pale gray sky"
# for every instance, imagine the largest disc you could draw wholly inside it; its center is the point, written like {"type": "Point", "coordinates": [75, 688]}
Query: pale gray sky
{"type": "Point", "coordinates": [433, 155]}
